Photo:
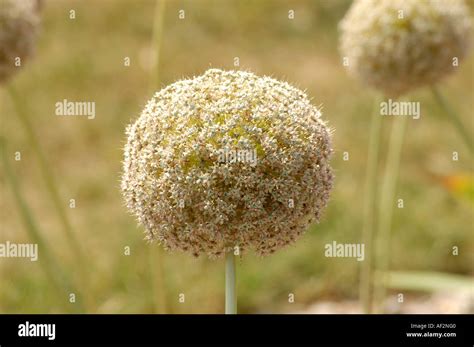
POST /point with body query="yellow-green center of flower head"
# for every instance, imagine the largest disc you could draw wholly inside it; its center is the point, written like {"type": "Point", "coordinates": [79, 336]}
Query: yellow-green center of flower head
{"type": "Point", "coordinates": [19, 22]}
{"type": "Point", "coordinates": [227, 159]}
{"type": "Point", "coordinates": [398, 45]}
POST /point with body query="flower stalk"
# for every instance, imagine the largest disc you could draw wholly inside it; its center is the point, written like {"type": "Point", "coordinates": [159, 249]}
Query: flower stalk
{"type": "Point", "coordinates": [366, 275]}
{"type": "Point", "coordinates": [45, 171]}
{"type": "Point", "coordinates": [158, 28]}
{"type": "Point", "coordinates": [453, 117]}
{"type": "Point", "coordinates": [385, 213]}
{"type": "Point", "coordinates": [50, 185]}
{"type": "Point", "coordinates": [230, 284]}
{"type": "Point", "coordinates": [155, 255]}
{"type": "Point", "coordinates": [56, 276]}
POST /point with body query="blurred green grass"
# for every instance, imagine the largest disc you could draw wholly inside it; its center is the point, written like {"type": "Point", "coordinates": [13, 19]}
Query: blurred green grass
{"type": "Point", "coordinates": [82, 59]}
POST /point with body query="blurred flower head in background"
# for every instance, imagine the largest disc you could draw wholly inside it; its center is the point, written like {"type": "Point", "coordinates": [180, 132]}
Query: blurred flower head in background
{"type": "Point", "coordinates": [398, 45]}
{"type": "Point", "coordinates": [19, 24]}
{"type": "Point", "coordinates": [227, 159]}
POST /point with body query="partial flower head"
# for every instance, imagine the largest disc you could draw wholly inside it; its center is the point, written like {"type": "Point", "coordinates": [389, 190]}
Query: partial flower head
{"type": "Point", "coordinates": [398, 45]}
{"type": "Point", "coordinates": [19, 23]}
{"type": "Point", "coordinates": [227, 159]}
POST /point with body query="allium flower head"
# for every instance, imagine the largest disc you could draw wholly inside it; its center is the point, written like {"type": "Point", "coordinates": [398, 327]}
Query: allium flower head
{"type": "Point", "coordinates": [273, 180]}
{"type": "Point", "coordinates": [19, 23]}
{"type": "Point", "coordinates": [397, 45]}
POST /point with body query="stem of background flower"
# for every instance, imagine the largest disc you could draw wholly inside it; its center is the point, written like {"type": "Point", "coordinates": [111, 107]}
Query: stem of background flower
{"type": "Point", "coordinates": [56, 276]}
{"type": "Point", "coordinates": [387, 199]}
{"type": "Point", "coordinates": [230, 291]}
{"type": "Point", "coordinates": [22, 113]}
{"type": "Point", "coordinates": [453, 117]}
{"type": "Point", "coordinates": [155, 254]}
{"type": "Point", "coordinates": [158, 26]}
{"type": "Point", "coordinates": [366, 273]}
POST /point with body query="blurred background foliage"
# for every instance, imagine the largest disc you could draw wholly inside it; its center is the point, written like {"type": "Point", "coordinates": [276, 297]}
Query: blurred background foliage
{"type": "Point", "coordinates": [83, 60]}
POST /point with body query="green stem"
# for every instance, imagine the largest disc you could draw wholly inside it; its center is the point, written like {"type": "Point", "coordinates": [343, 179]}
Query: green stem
{"type": "Point", "coordinates": [366, 275]}
{"type": "Point", "coordinates": [453, 117]}
{"type": "Point", "coordinates": [230, 290]}
{"type": "Point", "coordinates": [18, 102]}
{"type": "Point", "coordinates": [156, 256]}
{"type": "Point", "coordinates": [158, 28]}
{"type": "Point", "coordinates": [51, 187]}
{"type": "Point", "coordinates": [53, 272]}
{"type": "Point", "coordinates": [387, 200]}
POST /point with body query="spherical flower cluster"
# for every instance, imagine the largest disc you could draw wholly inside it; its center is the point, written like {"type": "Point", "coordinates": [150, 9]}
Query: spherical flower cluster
{"type": "Point", "coordinates": [398, 45]}
{"type": "Point", "coordinates": [227, 159]}
{"type": "Point", "coordinates": [19, 23]}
